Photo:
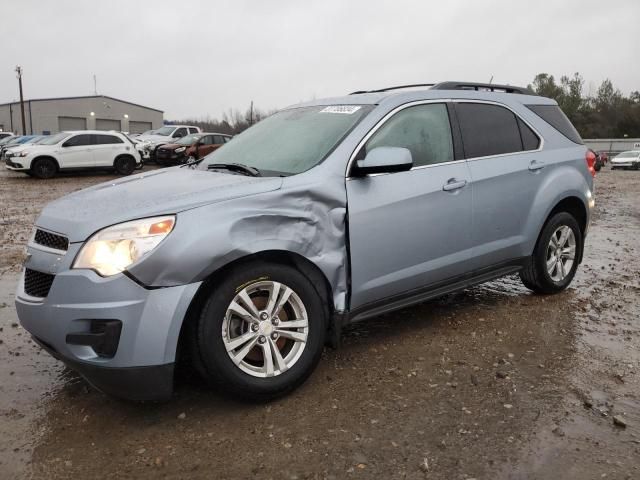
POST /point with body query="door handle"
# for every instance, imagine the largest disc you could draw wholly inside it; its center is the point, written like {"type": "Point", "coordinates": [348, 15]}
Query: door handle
{"type": "Point", "coordinates": [453, 184]}
{"type": "Point", "coordinates": [536, 165]}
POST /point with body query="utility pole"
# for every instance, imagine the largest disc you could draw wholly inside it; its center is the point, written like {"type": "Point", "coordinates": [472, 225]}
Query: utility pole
{"type": "Point", "coordinates": [95, 86]}
{"type": "Point", "coordinates": [24, 123]}
{"type": "Point", "coordinates": [251, 114]}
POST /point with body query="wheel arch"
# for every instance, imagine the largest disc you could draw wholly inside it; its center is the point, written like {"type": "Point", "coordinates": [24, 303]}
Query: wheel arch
{"type": "Point", "coordinates": [573, 205]}
{"type": "Point", "coordinates": [120, 155]}
{"type": "Point", "coordinates": [45, 156]}
{"type": "Point", "coordinates": [284, 257]}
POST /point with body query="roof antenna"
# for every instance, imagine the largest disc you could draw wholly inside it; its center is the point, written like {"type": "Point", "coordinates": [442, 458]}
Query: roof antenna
{"type": "Point", "coordinates": [491, 80]}
{"type": "Point", "coordinates": [95, 87]}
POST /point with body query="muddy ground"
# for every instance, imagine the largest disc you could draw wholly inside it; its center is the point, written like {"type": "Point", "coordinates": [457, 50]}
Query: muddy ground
{"type": "Point", "coordinates": [490, 383]}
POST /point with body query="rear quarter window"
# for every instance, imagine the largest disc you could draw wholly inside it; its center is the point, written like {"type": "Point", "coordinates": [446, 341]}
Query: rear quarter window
{"type": "Point", "coordinates": [554, 116]}
{"type": "Point", "coordinates": [530, 140]}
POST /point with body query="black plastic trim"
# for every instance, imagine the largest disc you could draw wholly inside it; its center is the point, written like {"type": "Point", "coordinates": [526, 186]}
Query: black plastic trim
{"type": "Point", "coordinates": [148, 383]}
{"type": "Point", "coordinates": [458, 145]}
{"type": "Point", "coordinates": [103, 338]}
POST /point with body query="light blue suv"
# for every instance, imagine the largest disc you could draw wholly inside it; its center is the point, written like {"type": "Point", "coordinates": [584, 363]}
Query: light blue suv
{"type": "Point", "coordinates": [333, 211]}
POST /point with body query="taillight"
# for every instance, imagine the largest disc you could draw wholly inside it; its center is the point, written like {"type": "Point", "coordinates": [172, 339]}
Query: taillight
{"type": "Point", "coordinates": [590, 158]}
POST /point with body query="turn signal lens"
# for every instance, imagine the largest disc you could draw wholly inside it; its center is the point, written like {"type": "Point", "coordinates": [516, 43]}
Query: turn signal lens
{"type": "Point", "coordinates": [161, 228]}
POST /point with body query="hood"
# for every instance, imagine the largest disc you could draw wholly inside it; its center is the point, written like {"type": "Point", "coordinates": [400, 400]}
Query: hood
{"type": "Point", "coordinates": [156, 138]}
{"type": "Point", "coordinates": [173, 146]}
{"type": "Point", "coordinates": [159, 192]}
{"type": "Point", "coordinates": [21, 147]}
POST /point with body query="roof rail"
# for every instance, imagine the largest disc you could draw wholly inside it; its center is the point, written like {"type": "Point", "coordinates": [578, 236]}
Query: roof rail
{"type": "Point", "coordinates": [487, 87]}
{"type": "Point", "coordinates": [478, 87]}
{"type": "Point", "coordinates": [399, 87]}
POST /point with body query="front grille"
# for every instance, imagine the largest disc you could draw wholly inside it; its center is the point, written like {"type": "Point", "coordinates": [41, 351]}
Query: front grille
{"type": "Point", "coordinates": [51, 240]}
{"type": "Point", "coordinates": [37, 284]}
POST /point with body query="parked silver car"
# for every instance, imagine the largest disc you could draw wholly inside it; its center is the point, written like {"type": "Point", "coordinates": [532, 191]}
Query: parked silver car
{"type": "Point", "coordinates": [325, 213]}
{"type": "Point", "coordinates": [630, 159]}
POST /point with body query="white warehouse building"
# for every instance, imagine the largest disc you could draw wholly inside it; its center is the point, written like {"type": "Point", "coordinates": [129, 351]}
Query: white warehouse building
{"type": "Point", "coordinates": [46, 116]}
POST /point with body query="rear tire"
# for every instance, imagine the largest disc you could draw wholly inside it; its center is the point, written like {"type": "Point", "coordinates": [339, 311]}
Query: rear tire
{"type": "Point", "coordinates": [259, 356]}
{"type": "Point", "coordinates": [554, 262]}
{"type": "Point", "coordinates": [44, 168]}
{"type": "Point", "coordinates": [124, 165]}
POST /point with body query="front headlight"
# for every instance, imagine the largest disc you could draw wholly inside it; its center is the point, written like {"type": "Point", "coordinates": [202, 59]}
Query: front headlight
{"type": "Point", "coordinates": [24, 153]}
{"type": "Point", "coordinates": [115, 248]}
{"type": "Point", "coordinates": [180, 149]}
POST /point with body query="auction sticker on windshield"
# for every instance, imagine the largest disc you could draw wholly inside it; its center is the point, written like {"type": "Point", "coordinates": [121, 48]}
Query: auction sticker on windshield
{"type": "Point", "coordinates": [347, 109]}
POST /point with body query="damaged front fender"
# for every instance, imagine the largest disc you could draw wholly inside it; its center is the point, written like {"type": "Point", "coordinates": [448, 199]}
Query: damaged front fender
{"type": "Point", "coordinates": [308, 219]}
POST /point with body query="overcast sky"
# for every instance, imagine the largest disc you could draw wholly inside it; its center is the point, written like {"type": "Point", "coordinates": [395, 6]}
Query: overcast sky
{"type": "Point", "coordinates": [199, 58]}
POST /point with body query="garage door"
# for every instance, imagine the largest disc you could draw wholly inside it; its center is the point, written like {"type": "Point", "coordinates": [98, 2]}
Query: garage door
{"type": "Point", "coordinates": [72, 123]}
{"type": "Point", "coordinates": [139, 127]}
{"type": "Point", "coordinates": [105, 124]}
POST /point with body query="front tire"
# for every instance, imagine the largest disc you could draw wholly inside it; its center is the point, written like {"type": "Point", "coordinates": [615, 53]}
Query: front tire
{"type": "Point", "coordinates": [554, 262]}
{"type": "Point", "coordinates": [44, 168]}
{"type": "Point", "coordinates": [124, 165]}
{"type": "Point", "coordinates": [261, 332]}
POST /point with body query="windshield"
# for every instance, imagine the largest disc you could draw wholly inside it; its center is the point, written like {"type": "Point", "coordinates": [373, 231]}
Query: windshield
{"type": "Point", "coordinates": [628, 155]}
{"type": "Point", "coordinates": [53, 139]}
{"type": "Point", "coordinates": [290, 141]}
{"type": "Point", "coordinates": [6, 140]}
{"type": "Point", "coordinates": [164, 131]}
{"type": "Point", "coordinates": [189, 139]}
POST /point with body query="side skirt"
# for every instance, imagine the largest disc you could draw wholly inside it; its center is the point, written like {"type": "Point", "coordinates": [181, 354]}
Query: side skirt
{"type": "Point", "coordinates": [429, 292]}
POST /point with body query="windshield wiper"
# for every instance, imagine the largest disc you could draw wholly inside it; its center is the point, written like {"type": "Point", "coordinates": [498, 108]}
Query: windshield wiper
{"type": "Point", "coordinates": [236, 167]}
{"type": "Point", "coordinates": [192, 162]}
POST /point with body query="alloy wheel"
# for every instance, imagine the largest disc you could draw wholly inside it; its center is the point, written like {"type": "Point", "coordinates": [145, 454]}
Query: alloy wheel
{"type": "Point", "coordinates": [265, 329]}
{"type": "Point", "coordinates": [561, 253]}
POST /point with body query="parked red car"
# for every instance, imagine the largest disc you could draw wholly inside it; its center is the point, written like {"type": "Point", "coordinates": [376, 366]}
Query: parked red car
{"type": "Point", "coordinates": [190, 147]}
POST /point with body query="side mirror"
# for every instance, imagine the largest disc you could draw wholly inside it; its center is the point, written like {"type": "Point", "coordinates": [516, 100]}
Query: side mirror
{"type": "Point", "coordinates": [384, 160]}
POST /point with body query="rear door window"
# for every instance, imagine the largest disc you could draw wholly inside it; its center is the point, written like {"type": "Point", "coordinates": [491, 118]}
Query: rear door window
{"type": "Point", "coordinates": [488, 130]}
{"type": "Point", "coordinates": [106, 139]}
{"type": "Point", "coordinates": [424, 130]}
{"type": "Point", "coordinates": [193, 130]}
{"type": "Point", "coordinates": [78, 140]}
{"type": "Point", "coordinates": [218, 140]}
{"type": "Point", "coordinates": [554, 116]}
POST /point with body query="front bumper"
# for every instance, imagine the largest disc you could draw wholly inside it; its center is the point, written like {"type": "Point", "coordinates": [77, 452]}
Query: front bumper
{"type": "Point", "coordinates": [171, 156]}
{"type": "Point", "coordinates": [15, 164]}
{"type": "Point", "coordinates": [141, 367]}
{"type": "Point", "coordinates": [151, 383]}
{"type": "Point", "coordinates": [625, 164]}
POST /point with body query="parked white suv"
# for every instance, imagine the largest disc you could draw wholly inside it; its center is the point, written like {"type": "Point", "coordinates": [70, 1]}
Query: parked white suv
{"type": "Point", "coordinates": [76, 150]}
